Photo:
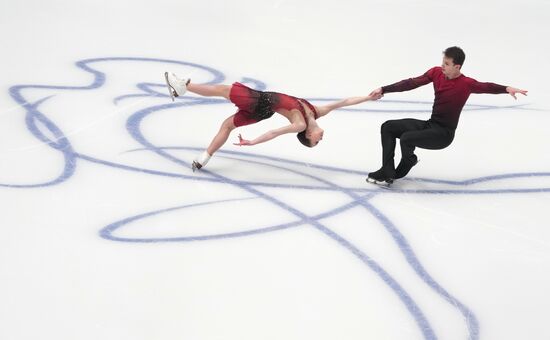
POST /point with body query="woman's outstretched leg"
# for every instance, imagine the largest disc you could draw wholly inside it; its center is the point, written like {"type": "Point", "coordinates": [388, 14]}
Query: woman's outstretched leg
{"type": "Point", "coordinates": [178, 86]}
{"type": "Point", "coordinates": [210, 90]}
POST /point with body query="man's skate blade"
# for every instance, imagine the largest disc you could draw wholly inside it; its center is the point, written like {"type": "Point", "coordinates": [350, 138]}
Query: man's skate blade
{"type": "Point", "coordinates": [168, 85]}
{"type": "Point", "coordinates": [381, 184]}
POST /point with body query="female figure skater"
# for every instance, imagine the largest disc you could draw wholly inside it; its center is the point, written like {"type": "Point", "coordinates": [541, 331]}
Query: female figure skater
{"type": "Point", "coordinates": [254, 106]}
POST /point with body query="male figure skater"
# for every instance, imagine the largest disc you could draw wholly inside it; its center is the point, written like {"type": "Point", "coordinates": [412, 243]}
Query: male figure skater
{"type": "Point", "coordinates": [452, 89]}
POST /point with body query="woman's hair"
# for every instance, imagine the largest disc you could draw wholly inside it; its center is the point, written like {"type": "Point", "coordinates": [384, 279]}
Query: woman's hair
{"type": "Point", "coordinates": [303, 139]}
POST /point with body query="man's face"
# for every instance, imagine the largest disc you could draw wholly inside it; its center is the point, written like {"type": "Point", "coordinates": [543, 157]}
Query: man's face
{"type": "Point", "coordinates": [449, 68]}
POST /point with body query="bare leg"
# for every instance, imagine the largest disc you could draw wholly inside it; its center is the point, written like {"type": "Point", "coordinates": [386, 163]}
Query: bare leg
{"type": "Point", "coordinates": [210, 90]}
{"type": "Point", "coordinates": [222, 136]}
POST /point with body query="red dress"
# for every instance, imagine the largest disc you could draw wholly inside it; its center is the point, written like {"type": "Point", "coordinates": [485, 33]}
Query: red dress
{"type": "Point", "coordinates": [255, 106]}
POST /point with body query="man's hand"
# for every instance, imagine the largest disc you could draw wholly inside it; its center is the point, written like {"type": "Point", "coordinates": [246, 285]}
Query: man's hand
{"type": "Point", "coordinates": [512, 91]}
{"type": "Point", "coordinates": [377, 93]}
{"type": "Point", "coordinates": [243, 141]}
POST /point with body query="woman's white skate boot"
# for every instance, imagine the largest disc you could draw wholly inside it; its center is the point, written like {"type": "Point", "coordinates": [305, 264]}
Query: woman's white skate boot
{"type": "Point", "coordinates": [176, 86]}
{"type": "Point", "coordinates": [200, 161]}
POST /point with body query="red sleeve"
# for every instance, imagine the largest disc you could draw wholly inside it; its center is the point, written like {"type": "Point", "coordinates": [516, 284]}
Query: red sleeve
{"type": "Point", "coordinates": [411, 83]}
{"type": "Point", "coordinates": [478, 87]}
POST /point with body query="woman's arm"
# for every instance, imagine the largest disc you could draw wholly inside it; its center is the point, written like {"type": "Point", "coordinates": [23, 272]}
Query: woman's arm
{"type": "Point", "coordinates": [296, 127]}
{"type": "Point", "coordinates": [325, 109]}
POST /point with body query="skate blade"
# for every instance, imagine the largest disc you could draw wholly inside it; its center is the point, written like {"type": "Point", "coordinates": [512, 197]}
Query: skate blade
{"type": "Point", "coordinates": [195, 166]}
{"type": "Point", "coordinates": [170, 88]}
{"type": "Point", "coordinates": [382, 184]}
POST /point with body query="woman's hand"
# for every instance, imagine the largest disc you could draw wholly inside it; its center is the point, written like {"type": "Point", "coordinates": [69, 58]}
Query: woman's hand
{"type": "Point", "coordinates": [375, 95]}
{"type": "Point", "coordinates": [243, 141]}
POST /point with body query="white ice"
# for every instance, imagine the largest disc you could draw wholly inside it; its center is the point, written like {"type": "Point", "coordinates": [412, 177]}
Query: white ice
{"type": "Point", "coordinates": [105, 233]}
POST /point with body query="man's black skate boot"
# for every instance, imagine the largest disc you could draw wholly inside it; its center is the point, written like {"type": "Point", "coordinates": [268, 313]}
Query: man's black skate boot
{"type": "Point", "coordinates": [405, 166]}
{"type": "Point", "coordinates": [381, 175]}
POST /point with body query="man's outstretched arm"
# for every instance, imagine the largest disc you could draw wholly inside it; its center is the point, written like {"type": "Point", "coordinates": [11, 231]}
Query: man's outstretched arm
{"type": "Point", "coordinates": [404, 85]}
{"type": "Point", "coordinates": [479, 87]}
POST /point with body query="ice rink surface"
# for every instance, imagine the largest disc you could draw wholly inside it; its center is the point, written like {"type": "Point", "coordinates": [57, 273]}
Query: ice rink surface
{"type": "Point", "coordinates": [106, 233]}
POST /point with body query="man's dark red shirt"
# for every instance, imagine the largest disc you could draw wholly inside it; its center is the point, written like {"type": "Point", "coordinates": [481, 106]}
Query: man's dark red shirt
{"type": "Point", "coordinates": [450, 94]}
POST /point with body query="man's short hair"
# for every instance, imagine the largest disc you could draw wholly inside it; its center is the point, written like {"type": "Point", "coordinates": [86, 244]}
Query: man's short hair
{"type": "Point", "coordinates": [455, 53]}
